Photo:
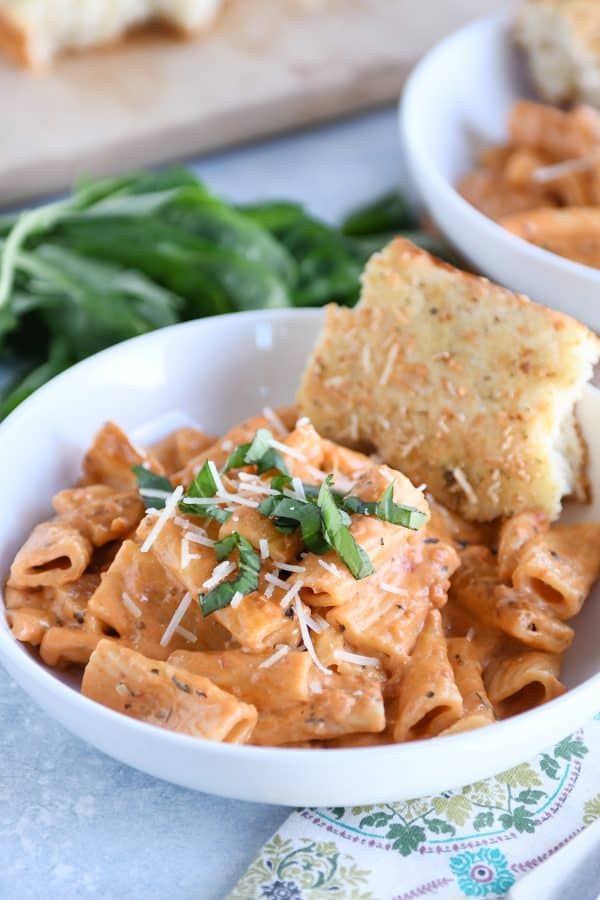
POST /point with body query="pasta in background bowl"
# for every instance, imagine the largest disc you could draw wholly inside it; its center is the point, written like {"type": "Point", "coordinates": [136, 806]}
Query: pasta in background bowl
{"type": "Point", "coordinates": [217, 372]}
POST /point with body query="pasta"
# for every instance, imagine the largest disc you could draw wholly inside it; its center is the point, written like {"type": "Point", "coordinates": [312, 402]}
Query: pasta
{"type": "Point", "coordinates": [275, 588]}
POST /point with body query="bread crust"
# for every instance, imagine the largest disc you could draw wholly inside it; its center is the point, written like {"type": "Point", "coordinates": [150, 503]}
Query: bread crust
{"type": "Point", "coordinates": [457, 382]}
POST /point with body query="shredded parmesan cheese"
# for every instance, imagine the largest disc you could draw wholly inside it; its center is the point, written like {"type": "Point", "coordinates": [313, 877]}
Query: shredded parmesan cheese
{"type": "Point", "coordinates": [219, 500]}
{"type": "Point", "coordinates": [366, 359]}
{"type": "Point", "coordinates": [461, 480]}
{"type": "Point", "coordinates": [299, 488]}
{"type": "Point", "coordinates": [544, 174]}
{"type": "Point", "coordinates": [236, 599]}
{"type": "Point", "coordinates": [176, 619]}
{"type": "Point", "coordinates": [301, 616]}
{"type": "Point", "coordinates": [335, 381]}
{"type": "Point", "coordinates": [389, 364]}
{"type": "Point", "coordinates": [290, 451]}
{"type": "Point", "coordinates": [188, 635]}
{"type": "Point", "coordinates": [281, 651]}
{"type": "Point", "coordinates": [227, 445]}
{"type": "Point", "coordinates": [130, 605]}
{"type": "Point", "coordinates": [302, 421]}
{"type": "Point", "coordinates": [219, 574]}
{"type": "Point", "coordinates": [288, 567]}
{"type": "Point", "coordinates": [155, 492]}
{"type": "Point", "coordinates": [216, 478]}
{"type": "Point", "coordinates": [263, 546]}
{"type": "Point", "coordinates": [290, 596]}
{"type": "Point", "coordinates": [256, 488]}
{"type": "Point", "coordinates": [329, 567]}
{"type": "Point", "coordinates": [356, 658]}
{"type": "Point", "coordinates": [167, 513]}
{"type": "Point", "coordinates": [274, 420]}
{"type": "Point", "coordinates": [276, 582]}
{"type": "Point", "coordinates": [199, 539]}
{"type": "Point", "coordinates": [390, 588]}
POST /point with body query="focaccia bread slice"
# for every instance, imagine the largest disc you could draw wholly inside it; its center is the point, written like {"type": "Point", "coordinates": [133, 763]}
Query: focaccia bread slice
{"type": "Point", "coordinates": [35, 31]}
{"type": "Point", "coordinates": [458, 383]}
{"type": "Point", "coordinates": [562, 41]}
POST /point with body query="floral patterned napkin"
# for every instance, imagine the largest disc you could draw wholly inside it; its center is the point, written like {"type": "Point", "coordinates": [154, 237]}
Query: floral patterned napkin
{"type": "Point", "coordinates": [474, 842]}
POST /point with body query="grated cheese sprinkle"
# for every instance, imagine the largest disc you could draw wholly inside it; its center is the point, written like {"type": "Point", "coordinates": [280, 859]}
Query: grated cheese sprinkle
{"type": "Point", "coordinates": [291, 594]}
{"type": "Point", "coordinates": [263, 546]}
{"type": "Point", "coordinates": [302, 421]}
{"type": "Point", "coordinates": [544, 174]}
{"type": "Point", "coordinates": [165, 514]}
{"type": "Point", "coordinates": [461, 480]}
{"type": "Point", "coordinates": [357, 658]}
{"type": "Point", "coordinates": [280, 652]}
{"type": "Point", "coordinates": [176, 619]}
{"type": "Point", "coordinates": [199, 539]}
{"type": "Point", "coordinates": [216, 478]}
{"type": "Point", "coordinates": [219, 574]}
{"type": "Point", "coordinates": [366, 359]}
{"type": "Point", "coordinates": [329, 567]}
{"type": "Point", "coordinates": [288, 567]}
{"type": "Point", "coordinates": [185, 633]}
{"type": "Point", "coordinates": [130, 605]}
{"type": "Point", "coordinates": [290, 451]}
{"type": "Point", "coordinates": [274, 420]}
{"type": "Point", "coordinates": [389, 365]}
{"type": "Point", "coordinates": [155, 492]}
{"type": "Point", "coordinates": [236, 599]}
{"type": "Point", "coordinates": [306, 639]}
{"type": "Point", "coordinates": [299, 488]}
{"type": "Point", "coordinates": [276, 582]}
{"type": "Point", "coordinates": [390, 588]}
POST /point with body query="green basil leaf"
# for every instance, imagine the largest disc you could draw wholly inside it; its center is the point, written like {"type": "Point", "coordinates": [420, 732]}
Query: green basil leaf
{"type": "Point", "coordinates": [246, 581]}
{"type": "Point", "coordinates": [272, 459]}
{"type": "Point", "coordinates": [387, 510]}
{"type": "Point", "coordinates": [308, 516]}
{"type": "Point", "coordinates": [258, 453]}
{"type": "Point", "coordinates": [150, 481]}
{"type": "Point", "coordinates": [351, 554]}
{"type": "Point", "coordinates": [279, 482]}
{"type": "Point", "coordinates": [204, 485]}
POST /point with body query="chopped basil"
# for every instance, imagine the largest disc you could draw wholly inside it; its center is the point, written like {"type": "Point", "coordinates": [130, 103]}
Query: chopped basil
{"type": "Point", "coordinates": [387, 510]}
{"type": "Point", "coordinates": [246, 581]}
{"type": "Point", "coordinates": [289, 511]}
{"type": "Point", "coordinates": [150, 481]}
{"type": "Point", "coordinates": [258, 453]}
{"type": "Point", "coordinates": [339, 536]}
{"type": "Point", "coordinates": [204, 485]}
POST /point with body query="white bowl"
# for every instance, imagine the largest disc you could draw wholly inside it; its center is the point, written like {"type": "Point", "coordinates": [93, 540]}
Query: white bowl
{"type": "Point", "coordinates": [219, 371]}
{"type": "Point", "coordinates": [456, 101]}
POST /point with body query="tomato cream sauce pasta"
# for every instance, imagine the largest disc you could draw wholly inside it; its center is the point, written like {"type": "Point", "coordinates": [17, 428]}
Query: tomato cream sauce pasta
{"type": "Point", "coordinates": [272, 587]}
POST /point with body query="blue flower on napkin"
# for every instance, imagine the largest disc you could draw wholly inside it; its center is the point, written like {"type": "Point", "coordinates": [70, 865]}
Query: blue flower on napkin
{"type": "Point", "coordinates": [282, 890]}
{"type": "Point", "coordinates": [482, 873]}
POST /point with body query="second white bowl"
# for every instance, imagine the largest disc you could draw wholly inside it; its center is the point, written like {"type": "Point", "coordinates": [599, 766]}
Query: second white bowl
{"type": "Point", "coordinates": [456, 101]}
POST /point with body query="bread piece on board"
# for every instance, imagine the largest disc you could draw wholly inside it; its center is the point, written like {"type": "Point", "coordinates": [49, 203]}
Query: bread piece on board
{"type": "Point", "coordinates": [562, 42]}
{"type": "Point", "coordinates": [456, 382]}
{"type": "Point", "coordinates": [35, 31]}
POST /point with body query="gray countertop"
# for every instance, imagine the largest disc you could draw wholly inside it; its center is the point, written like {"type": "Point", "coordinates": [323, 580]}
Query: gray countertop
{"type": "Point", "coordinates": [73, 823]}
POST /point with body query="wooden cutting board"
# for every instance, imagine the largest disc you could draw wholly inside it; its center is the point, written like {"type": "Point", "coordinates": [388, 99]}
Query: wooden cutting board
{"type": "Point", "coordinates": [267, 66]}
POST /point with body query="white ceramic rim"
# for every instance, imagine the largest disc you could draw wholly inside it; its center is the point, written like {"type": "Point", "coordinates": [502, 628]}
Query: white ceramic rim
{"type": "Point", "coordinates": [410, 110]}
{"type": "Point", "coordinates": [402, 755]}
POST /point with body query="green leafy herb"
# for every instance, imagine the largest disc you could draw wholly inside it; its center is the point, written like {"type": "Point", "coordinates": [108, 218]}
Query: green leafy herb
{"type": "Point", "coordinates": [389, 212]}
{"type": "Point", "coordinates": [288, 511]}
{"type": "Point", "coordinates": [258, 453]}
{"type": "Point", "coordinates": [387, 510]}
{"type": "Point", "coordinates": [150, 482]}
{"type": "Point", "coordinates": [204, 485]}
{"type": "Point", "coordinates": [339, 536]}
{"type": "Point", "coordinates": [246, 581]}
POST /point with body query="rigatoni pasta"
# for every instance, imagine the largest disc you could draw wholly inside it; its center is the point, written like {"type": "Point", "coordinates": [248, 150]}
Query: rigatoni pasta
{"type": "Point", "coordinates": [273, 587]}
